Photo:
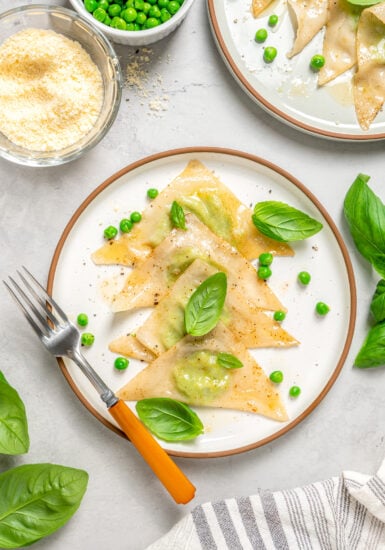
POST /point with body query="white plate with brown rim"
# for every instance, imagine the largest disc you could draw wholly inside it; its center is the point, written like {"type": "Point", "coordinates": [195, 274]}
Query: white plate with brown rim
{"type": "Point", "coordinates": [286, 88]}
{"type": "Point", "coordinates": [75, 282]}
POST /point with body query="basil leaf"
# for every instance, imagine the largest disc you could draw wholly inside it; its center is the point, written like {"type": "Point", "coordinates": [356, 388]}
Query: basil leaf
{"type": "Point", "coordinates": [364, 2]}
{"type": "Point", "coordinates": [372, 352]}
{"type": "Point", "coordinates": [14, 438]}
{"type": "Point", "coordinates": [377, 306]}
{"type": "Point", "coordinates": [229, 361]}
{"type": "Point", "coordinates": [365, 214]}
{"type": "Point", "coordinates": [177, 216]}
{"type": "Point", "coordinates": [205, 305]}
{"type": "Point", "coordinates": [37, 499]}
{"type": "Point", "coordinates": [283, 223]}
{"type": "Point", "coordinates": [169, 419]}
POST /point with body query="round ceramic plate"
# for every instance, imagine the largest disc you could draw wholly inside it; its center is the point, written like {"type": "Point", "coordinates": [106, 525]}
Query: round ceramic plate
{"type": "Point", "coordinates": [75, 282]}
{"type": "Point", "coordinates": [286, 88]}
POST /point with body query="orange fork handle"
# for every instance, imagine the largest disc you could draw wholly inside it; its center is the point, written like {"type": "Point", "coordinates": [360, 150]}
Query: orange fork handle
{"type": "Point", "coordinates": [173, 479]}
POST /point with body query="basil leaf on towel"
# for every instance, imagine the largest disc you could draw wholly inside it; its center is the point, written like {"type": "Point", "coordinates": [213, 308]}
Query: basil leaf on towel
{"type": "Point", "coordinates": [37, 499]}
{"type": "Point", "coordinates": [14, 438]}
{"type": "Point", "coordinates": [205, 305]}
{"type": "Point", "coordinates": [283, 223]}
{"type": "Point", "coordinates": [169, 419]}
{"type": "Point", "coordinates": [365, 214]}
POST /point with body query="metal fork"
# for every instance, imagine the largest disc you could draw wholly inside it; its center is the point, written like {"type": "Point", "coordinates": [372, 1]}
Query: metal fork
{"type": "Point", "coordinates": [62, 339]}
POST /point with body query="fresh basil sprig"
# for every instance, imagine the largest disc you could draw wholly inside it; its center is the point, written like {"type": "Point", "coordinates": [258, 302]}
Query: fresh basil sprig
{"type": "Point", "coordinates": [229, 361]}
{"type": "Point", "coordinates": [169, 419]}
{"type": "Point", "coordinates": [14, 438]}
{"type": "Point", "coordinates": [372, 352]}
{"type": "Point", "coordinates": [37, 499]}
{"type": "Point", "coordinates": [177, 216]}
{"type": "Point", "coordinates": [205, 305]}
{"type": "Point", "coordinates": [283, 223]}
{"type": "Point", "coordinates": [377, 306]}
{"type": "Point", "coordinates": [365, 214]}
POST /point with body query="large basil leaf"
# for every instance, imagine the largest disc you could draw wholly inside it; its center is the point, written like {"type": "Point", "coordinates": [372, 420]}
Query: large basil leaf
{"type": "Point", "coordinates": [283, 223]}
{"type": "Point", "coordinates": [372, 353]}
{"type": "Point", "coordinates": [377, 306]}
{"type": "Point", "coordinates": [365, 214]}
{"type": "Point", "coordinates": [169, 419]}
{"type": "Point", "coordinates": [14, 437]}
{"type": "Point", "coordinates": [37, 499]}
{"type": "Point", "coordinates": [205, 305]}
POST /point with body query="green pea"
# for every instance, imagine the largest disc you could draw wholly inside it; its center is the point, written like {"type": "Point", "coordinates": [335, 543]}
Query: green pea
{"type": "Point", "coordinates": [173, 7]}
{"type": "Point", "coordinates": [107, 20]}
{"type": "Point", "coordinates": [152, 22]}
{"type": "Point", "coordinates": [152, 193]}
{"type": "Point", "coordinates": [266, 258]}
{"type": "Point", "coordinates": [110, 232]}
{"type": "Point", "coordinates": [317, 62]}
{"type": "Point", "coordinates": [130, 4]}
{"type": "Point", "coordinates": [260, 35]}
{"type": "Point", "coordinates": [273, 20]}
{"type": "Point", "coordinates": [269, 54]}
{"type": "Point", "coordinates": [87, 339]}
{"type": "Point", "coordinates": [82, 319]}
{"type": "Point", "coordinates": [163, 3]}
{"type": "Point", "coordinates": [135, 217]}
{"type": "Point", "coordinates": [100, 14]}
{"type": "Point", "coordinates": [121, 363]}
{"type": "Point", "coordinates": [146, 7]}
{"type": "Point", "coordinates": [141, 18]}
{"type": "Point", "coordinates": [130, 26]}
{"type": "Point", "coordinates": [138, 5]}
{"type": "Point", "coordinates": [104, 4]}
{"type": "Point", "coordinates": [152, 1]}
{"type": "Point", "coordinates": [164, 15]}
{"type": "Point", "coordinates": [264, 272]}
{"type": "Point", "coordinates": [322, 308]}
{"type": "Point", "coordinates": [276, 376]}
{"type": "Point", "coordinates": [90, 5]}
{"type": "Point", "coordinates": [130, 14]}
{"type": "Point", "coordinates": [118, 23]}
{"type": "Point", "coordinates": [125, 225]}
{"type": "Point", "coordinates": [154, 12]}
{"type": "Point", "coordinates": [137, 27]}
{"type": "Point", "coordinates": [304, 277]}
{"type": "Point", "coordinates": [294, 391]}
{"type": "Point", "coordinates": [114, 10]}
{"type": "Point", "coordinates": [279, 315]}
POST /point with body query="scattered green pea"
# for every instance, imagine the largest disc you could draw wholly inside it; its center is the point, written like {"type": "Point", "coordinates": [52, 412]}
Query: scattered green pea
{"type": "Point", "coordinates": [125, 225]}
{"type": "Point", "coordinates": [136, 216]}
{"type": "Point", "coordinates": [266, 258]}
{"type": "Point", "coordinates": [317, 62]}
{"type": "Point", "coordinates": [152, 193]}
{"type": "Point", "coordinates": [322, 308]}
{"type": "Point", "coordinates": [87, 339]}
{"type": "Point", "coordinates": [82, 319]}
{"type": "Point", "coordinates": [294, 391]}
{"type": "Point", "coordinates": [260, 35]}
{"type": "Point", "coordinates": [269, 54]}
{"type": "Point", "coordinates": [276, 376]}
{"type": "Point", "coordinates": [304, 277]}
{"type": "Point", "coordinates": [273, 20]}
{"type": "Point", "coordinates": [110, 232]}
{"type": "Point", "coordinates": [264, 272]}
{"type": "Point", "coordinates": [279, 315]}
{"type": "Point", "coordinates": [121, 363]}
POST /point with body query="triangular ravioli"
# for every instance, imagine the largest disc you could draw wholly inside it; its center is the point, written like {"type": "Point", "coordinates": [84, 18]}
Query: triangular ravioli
{"type": "Point", "coordinates": [339, 46]}
{"type": "Point", "coordinates": [309, 18]}
{"type": "Point", "coordinates": [257, 6]}
{"type": "Point", "coordinates": [188, 372]}
{"type": "Point", "coordinates": [199, 191]}
{"type": "Point", "coordinates": [146, 285]}
{"type": "Point", "coordinates": [129, 346]}
{"type": "Point", "coordinates": [165, 326]}
{"type": "Point", "coordinates": [369, 81]}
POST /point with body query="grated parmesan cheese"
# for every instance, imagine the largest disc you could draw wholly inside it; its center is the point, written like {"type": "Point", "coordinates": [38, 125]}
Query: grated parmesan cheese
{"type": "Point", "coordinates": [51, 91]}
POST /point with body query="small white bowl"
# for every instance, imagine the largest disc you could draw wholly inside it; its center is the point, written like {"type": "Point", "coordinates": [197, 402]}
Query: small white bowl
{"type": "Point", "coordinates": [136, 38]}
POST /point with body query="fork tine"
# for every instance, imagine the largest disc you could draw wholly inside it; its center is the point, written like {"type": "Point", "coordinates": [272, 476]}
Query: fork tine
{"type": "Point", "coordinates": [28, 316]}
{"type": "Point", "coordinates": [47, 297]}
{"type": "Point", "coordinates": [40, 300]}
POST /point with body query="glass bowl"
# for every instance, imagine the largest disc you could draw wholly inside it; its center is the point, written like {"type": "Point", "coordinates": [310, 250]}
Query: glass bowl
{"type": "Point", "coordinates": [77, 28]}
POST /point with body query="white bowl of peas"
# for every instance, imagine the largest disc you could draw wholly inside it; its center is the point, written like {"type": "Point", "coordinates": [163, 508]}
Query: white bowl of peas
{"type": "Point", "coordinates": [134, 22]}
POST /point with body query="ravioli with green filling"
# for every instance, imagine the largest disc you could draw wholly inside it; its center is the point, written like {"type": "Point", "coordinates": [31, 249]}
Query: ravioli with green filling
{"type": "Point", "coordinates": [190, 372]}
{"type": "Point", "coordinates": [198, 191]}
{"type": "Point", "coordinates": [148, 283]}
{"type": "Point", "coordinates": [165, 326]}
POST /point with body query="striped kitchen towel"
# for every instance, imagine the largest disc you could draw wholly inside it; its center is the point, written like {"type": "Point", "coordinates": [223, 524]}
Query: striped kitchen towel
{"type": "Point", "coordinates": [341, 513]}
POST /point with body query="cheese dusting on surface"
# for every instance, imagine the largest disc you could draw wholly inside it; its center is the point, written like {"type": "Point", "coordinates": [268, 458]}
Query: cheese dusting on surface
{"type": "Point", "coordinates": [51, 92]}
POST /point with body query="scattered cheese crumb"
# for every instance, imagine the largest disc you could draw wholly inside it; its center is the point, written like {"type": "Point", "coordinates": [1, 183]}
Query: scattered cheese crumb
{"type": "Point", "coordinates": [51, 92]}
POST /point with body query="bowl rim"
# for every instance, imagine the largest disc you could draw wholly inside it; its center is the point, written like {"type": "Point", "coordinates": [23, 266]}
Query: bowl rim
{"type": "Point", "coordinates": [55, 159]}
{"type": "Point", "coordinates": [145, 33]}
